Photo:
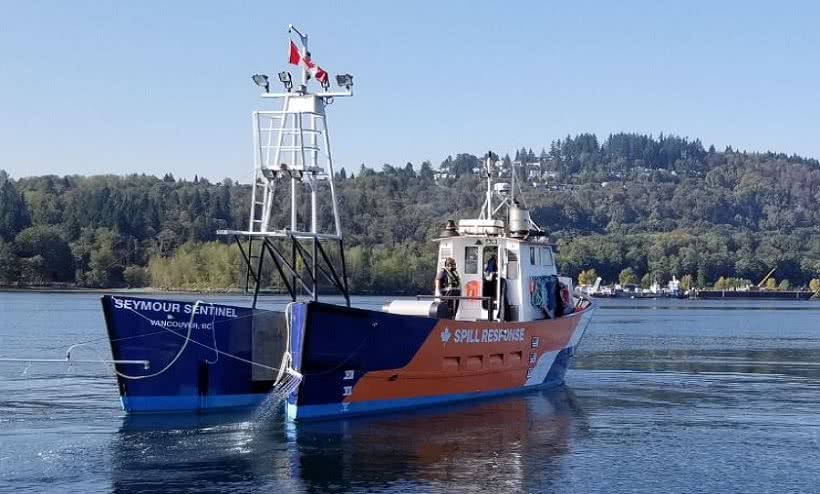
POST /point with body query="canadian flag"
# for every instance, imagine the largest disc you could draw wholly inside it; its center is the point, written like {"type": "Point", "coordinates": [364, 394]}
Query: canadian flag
{"type": "Point", "coordinates": [296, 58]}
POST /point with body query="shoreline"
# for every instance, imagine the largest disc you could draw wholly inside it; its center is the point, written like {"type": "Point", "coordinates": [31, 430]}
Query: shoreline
{"type": "Point", "coordinates": [146, 290]}
{"type": "Point", "coordinates": [157, 291]}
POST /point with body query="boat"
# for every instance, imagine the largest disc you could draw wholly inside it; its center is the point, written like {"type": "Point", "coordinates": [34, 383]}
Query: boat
{"type": "Point", "coordinates": [510, 329]}
{"type": "Point", "coordinates": [655, 290]}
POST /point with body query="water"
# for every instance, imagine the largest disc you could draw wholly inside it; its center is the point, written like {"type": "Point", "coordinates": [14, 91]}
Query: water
{"type": "Point", "coordinates": [666, 396]}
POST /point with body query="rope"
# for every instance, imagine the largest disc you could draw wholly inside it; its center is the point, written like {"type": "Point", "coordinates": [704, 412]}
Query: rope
{"type": "Point", "coordinates": [213, 334]}
{"type": "Point", "coordinates": [288, 378]}
{"type": "Point", "coordinates": [218, 351]}
{"type": "Point", "coordinates": [102, 338]}
{"type": "Point", "coordinates": [172, 362]}
{"type": "Point", "coordinates": [541, 296]}
{"type": "Point", "coordinates": [287, 358]}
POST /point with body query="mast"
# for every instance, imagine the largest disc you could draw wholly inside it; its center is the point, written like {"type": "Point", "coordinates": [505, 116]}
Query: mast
{"type": "Point", "coordinates": [489, 186]}
{"type": "Point", "coordinates": [512, 189]}
{"type": "Point", "coordinates": [294, 192]}
{"type": "Point", "coordinates": [292, 147]}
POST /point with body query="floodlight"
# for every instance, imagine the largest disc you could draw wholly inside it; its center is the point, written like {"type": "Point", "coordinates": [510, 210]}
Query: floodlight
{"type": "Point", "coordinates": [344, 80]}
{"type": "Point", "coordinates": [284, 78]}
{"type": "Point", "coordinates": [261, 80]}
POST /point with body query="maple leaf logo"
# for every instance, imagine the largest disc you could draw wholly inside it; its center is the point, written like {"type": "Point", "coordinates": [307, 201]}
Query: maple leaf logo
{"type": "Point", "coordinates": [445, 335]}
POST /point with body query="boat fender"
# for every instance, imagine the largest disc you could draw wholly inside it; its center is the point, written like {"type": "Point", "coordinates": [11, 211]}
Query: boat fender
{"type": "Point", "coordinates": [424, 308]}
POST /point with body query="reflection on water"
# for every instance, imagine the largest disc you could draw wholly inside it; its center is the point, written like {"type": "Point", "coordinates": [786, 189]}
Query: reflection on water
{"type": "Point", "coordinates": [503, 444]}
{"type": "Point", "coordinates": [666, 396]}
{"type": "Point", "coordinates": [467, 448]}
{"type": "Point", "coordinates": [213, 452]}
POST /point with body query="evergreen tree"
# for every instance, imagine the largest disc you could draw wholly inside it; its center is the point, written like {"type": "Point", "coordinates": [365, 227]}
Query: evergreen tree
{"type": "Point", "coordinates": [45, 242]}
{"type": "Point", "coordinates": [9, 265]}
{"type": "Point", "coordinates": [676, 210]}
{"type": "Point", "coordinates": [13, 213]}
{"type": "Point", "coordinates": [426, 172]}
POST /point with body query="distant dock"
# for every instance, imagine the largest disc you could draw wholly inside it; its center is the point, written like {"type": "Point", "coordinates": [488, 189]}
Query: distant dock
{"type": "Point", "coordinates": [754, 294]}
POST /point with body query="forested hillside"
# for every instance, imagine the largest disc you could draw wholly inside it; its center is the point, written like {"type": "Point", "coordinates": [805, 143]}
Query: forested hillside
{"type": "Point", "coordinates": [659, 206]}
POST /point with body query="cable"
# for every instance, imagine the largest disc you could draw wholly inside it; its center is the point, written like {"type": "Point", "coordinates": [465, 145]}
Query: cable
{"type": "Point", "coordinates": [220, 352]}
{"type": "Point", "coordinates": [213, 334]}
{"type": "Point", "coordinates": [172, 362]}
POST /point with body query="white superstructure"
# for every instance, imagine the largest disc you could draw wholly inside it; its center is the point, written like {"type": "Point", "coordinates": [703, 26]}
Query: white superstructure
{"type": "Point", "coordinates": [523, 257]}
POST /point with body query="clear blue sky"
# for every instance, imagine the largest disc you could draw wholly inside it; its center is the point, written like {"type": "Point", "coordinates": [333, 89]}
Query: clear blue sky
{"type": "Point", "coordinates": [119, 87]}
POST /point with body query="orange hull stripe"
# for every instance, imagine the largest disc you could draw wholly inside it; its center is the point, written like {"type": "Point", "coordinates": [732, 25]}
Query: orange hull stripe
{"type": "Point", "coordinates": [463, 357]}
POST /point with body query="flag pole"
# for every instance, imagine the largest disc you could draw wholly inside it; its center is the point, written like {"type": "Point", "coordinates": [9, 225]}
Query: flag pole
{"type": "Point", "coordinates": [304, 52]}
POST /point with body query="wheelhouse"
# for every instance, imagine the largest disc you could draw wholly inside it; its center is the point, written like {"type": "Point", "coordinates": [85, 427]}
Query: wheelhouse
{"type": "Point", "coordinates": [503, 293]}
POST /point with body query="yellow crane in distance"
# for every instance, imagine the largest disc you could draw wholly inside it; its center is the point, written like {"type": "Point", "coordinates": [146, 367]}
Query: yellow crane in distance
{"type": "Point", "coordinates": [760, 285]}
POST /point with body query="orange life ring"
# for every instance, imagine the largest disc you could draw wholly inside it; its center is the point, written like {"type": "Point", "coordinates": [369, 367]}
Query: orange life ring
{"type": "Point", "coordinates": [472, 289]}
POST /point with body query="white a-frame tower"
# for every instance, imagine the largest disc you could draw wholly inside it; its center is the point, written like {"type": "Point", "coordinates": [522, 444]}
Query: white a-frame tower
{"type": "Point", "coordinates": [293, 157]}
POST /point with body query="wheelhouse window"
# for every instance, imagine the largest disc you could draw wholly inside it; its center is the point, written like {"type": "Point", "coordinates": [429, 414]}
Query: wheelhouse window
{"type": "Point", "coordinates": [471, 260]}
{"type": "Point", "coordinates": [512, 255]}
{"type": "Point", "coordinates": [535, 257]}
{"type": "Point", "coordinates": [546, 256]}
{"type": "Point", "coordinates": [512, 265]}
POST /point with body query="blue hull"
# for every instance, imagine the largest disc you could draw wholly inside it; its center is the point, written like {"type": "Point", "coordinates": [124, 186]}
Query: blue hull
{"type": "Point", "coordinates": [210, 371]}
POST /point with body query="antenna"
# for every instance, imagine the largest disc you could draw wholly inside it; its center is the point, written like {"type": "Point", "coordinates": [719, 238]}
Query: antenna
{"type": "Point", "coordinates": [489, 185]}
